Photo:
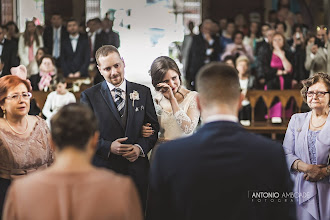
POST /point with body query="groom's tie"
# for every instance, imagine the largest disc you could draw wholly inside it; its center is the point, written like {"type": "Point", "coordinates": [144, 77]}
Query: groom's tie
{"type": "Point", "coordinates": [120, 102]}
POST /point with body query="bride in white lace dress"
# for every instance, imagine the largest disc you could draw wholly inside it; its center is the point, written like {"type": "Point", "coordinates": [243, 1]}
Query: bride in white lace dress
{"type": "Point", "coordinates": [175, 105]}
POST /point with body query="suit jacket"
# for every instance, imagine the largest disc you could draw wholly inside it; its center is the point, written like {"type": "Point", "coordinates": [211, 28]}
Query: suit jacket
{"type": "Point", "coordinates": [111, 128]}
{"type": "Point", "coordinates": [296, 147]}
{"type": "Point", "coordinates": [48, 37]}
{"type": "Point", "coordinates": [197, 55]}
{"type": "Point", "coordinates": [114, 39]}
{"type": "Point", "coordinates": [9, 56]}
{"type": "Point", "coordinates": [215, 172]}
{"type": "Point", "coordinates": [72, 62]}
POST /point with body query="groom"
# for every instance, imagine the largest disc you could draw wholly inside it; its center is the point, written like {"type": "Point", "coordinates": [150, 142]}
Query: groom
{"type": "Point", "coordinates": [122, 107]}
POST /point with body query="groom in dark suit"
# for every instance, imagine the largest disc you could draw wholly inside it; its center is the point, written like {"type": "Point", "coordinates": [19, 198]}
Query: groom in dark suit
{"type": "Point", "coordinates": [122, 107]}
{"type": "Point", "coordinates": [218, 172]}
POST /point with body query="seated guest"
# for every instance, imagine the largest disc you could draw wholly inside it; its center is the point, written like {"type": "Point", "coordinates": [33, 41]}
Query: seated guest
{"type": "Point", "coordinates": [47, 70]}
{"type": "Point", "coordinates": [247, 82]}
{"type": "Point", "coordinates": [238, 48]}
{"type": "Point", "coordinates": [33, 67]}
{"type": "Point", "coordinates": [24, 143]}
{"type": "Point", "coordinates": [306, 145]}
{"type": "Point", "coordinates": [213, 173]}
{"type": "Point", "coordinates": [72, 188]}
{"type": "Point", "coordinates": [57, 99]}
{"type": "Point", "coordinates": [75, 52]}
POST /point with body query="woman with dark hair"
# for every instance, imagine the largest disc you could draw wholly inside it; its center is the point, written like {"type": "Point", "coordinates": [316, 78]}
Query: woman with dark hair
{"type": "Point", "coordinates": [33, 67]}
{"type": "Point", "coordinates": [237, 48]}
{"type": "Point", "coordinates": [47, 71]}
{"type": "Point", "coordinates": [307, 148]}
{"type": "Point", "coordinates": [24, 144]}
{"type": "Point", "coordinates": [28, 43]}
{"type": "Point", "coordinates": [176, 106]}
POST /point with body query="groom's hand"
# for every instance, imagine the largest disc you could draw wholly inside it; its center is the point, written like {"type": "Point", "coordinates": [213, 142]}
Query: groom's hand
{"type": "Point", "coordinates": [118, 148]}
{"type": "Point", "coordinates": [133, 154]}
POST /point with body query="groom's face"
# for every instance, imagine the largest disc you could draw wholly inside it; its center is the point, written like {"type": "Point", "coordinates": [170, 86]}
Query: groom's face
{"type": "Point", "coordinates": [111, 68]}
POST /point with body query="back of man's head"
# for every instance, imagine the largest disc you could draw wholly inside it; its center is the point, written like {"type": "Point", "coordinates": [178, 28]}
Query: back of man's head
{"type": "Point", "coordinates": [73, 126]}
{"type": "Point", "coordinates": [218, 84]}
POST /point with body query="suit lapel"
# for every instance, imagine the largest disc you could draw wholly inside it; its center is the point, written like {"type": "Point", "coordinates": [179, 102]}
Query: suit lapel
{"type": "Point", "coordinates": [106, 94]}
{"type": "Point", "coordinates": [130, 107]}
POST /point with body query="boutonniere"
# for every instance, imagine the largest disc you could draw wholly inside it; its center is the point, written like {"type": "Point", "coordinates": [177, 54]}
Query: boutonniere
{"type": "Point", "coordinates": [134, 96]}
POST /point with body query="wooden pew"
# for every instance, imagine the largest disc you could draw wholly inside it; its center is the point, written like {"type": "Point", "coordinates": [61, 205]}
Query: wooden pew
{"type": "Point", "coordinates": [41, 97]}
{"type": "Point", "coordinates": [267, 127]}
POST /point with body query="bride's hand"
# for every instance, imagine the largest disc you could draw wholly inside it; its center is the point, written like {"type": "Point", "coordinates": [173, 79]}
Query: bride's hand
{"type": "Point", "coordinates": [147, 130]}
{"type": "Point", "coordinates": [166, 90]}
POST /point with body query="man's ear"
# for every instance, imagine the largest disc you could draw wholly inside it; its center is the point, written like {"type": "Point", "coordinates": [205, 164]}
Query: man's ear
{"type": "Point", "coordinates": [95, 140]}
{"type": "Point", "coordinates": [99, 68]}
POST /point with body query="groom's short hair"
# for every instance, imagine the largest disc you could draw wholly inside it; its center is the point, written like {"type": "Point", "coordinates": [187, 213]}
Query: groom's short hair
{"type": "Point", "coordinates": [105, 51]}
{"type": "Point", "coordinates": [218, 83]}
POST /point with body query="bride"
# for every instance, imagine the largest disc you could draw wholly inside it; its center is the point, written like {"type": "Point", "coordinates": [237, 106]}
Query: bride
{"type": "Point", "coordinates": [175, 105]}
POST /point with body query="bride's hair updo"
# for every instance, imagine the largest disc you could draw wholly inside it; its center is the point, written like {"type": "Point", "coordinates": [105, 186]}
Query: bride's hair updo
{"type": "Point", "coordinates": [160, 67]}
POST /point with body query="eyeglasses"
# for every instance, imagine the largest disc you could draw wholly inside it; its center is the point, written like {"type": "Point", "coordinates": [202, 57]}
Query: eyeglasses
{"type": "Point", "coordinates": [318, 94]}
{"type": "Point", "coordinates": [24, 95]}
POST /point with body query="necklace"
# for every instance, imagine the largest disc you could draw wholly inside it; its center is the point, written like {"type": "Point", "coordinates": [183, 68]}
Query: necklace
{"type": "Point", "coordinates": [27, 125]}
{"type": "Point", "coordinates": [317, 126]}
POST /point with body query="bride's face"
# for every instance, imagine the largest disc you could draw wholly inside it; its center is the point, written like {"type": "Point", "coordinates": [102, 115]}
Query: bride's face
{"type": "Point", "coordinates": [172, 79]}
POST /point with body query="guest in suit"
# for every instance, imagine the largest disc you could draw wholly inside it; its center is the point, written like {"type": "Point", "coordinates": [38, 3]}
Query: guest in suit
{"type": "Point", "coordinates": [113, 36]}
{"type": "Point", "coordinates": [8, 53]}
{"type": "Point", "coordinates": [12, 32]}
{"type": "Point", "coordinates": [75, 52]}
{"type": "Point", "coordinates": [97, 38]}
{"type": "Point", "coordinates": [53, 37]}
{"type": "Point", "coordinates": [307, 149]}
{"type": "Point", "coordinates": [28, 44]}
{"type": "Point", "coordinates": [204, 49]}
{"type": "Point", "coordinates": [77, 189]}
{"type": "Point", "coordinates": [122, 107]}
{"type": "Point", "coordinates": [213, 173]}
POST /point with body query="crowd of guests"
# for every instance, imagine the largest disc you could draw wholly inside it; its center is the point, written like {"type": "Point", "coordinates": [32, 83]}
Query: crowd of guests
{"type": "Point", "coordinates": [282, 51]}
{"type": "Point", "coordinates": [66, 43]}
{"type": "Point", "coordinates": [194, 173]}
{"type": "Point", "coordinates": [203, 162]}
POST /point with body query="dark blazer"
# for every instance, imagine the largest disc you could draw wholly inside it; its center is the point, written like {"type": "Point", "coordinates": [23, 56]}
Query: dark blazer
{"type": "Point", "coordinates": [114, 39]}
{"type": "Point", "coordinates": [111, 128]}
{"type": "Point", "coordinates": [9, 56]}
{"type": "Point", "coordinates": [72, 62]}
{"type": "Point", "coordinates": [197, 55]}
{"type": "Point", "coordinates": [211, 175]}
{"type": "Point", "coordinates": [48, 37]}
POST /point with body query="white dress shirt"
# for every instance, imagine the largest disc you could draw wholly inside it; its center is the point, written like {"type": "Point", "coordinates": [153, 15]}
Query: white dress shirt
{"type": "Point", "coordinates": [74, 42]}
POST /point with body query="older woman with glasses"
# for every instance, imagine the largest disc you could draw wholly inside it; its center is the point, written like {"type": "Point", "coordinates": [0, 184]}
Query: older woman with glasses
{"type": "Point", "coordinates": [307, 148]}
{"type": "Point", "coordinates": [24, 145]}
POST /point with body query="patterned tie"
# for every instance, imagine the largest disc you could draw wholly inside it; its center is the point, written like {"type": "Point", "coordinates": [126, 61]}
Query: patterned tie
{"type": "Point", "coordinates": [120, 102]}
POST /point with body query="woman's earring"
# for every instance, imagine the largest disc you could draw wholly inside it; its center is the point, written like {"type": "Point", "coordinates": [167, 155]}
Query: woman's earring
{"type": "Point", "coordinates": [4, 113]}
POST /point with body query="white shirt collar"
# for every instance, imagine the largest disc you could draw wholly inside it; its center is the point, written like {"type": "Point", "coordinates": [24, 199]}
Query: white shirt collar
{"type": "Point", "coordinates": [74, 37]}
{"type": "Point", "coordinates": [221, 117]}
{"type": "Point", "coordinates": [122, 86]}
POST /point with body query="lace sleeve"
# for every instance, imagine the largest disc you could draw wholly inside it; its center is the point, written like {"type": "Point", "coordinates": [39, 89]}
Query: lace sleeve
{"type": "Point", "coordinates": [188, 121]}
